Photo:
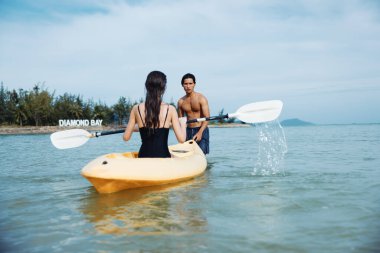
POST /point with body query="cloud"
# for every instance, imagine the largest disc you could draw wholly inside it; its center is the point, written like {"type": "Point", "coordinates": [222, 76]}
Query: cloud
{"type": "Point", "coordinates": [240, 51]}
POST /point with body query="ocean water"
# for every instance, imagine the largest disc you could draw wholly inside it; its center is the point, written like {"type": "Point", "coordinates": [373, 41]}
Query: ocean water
{"type": "Point", "coordinates": [267, 189]}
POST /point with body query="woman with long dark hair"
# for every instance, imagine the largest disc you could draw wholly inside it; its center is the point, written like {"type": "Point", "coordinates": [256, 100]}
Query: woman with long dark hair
{"type": "Point", "coordinates": [154, 118]}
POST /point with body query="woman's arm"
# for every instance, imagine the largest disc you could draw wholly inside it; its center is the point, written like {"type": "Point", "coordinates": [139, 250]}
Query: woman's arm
{"type": "Point", "coordinates": [179, 125]}
{"type": "Point", "coordinates": [179, 106]}
{"type": "Point", "coordinates": [131, 125]}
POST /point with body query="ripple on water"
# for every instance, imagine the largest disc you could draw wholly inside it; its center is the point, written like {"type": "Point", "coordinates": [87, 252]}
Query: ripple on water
{"type": "Point", "coordinates": [327, 200]}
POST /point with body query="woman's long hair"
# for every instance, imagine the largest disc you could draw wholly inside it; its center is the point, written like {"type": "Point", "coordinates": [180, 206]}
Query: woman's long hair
{"type": "Point", "coordinates": [155, 85]}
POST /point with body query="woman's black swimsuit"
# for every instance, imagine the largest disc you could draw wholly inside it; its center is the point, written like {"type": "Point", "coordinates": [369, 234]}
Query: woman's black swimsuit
{"type": "Point", "coordinates": [154, 140]}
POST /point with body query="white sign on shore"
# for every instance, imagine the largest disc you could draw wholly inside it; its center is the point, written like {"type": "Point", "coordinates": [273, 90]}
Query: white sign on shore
{"type": "Point", "coordinates": [79, 122]}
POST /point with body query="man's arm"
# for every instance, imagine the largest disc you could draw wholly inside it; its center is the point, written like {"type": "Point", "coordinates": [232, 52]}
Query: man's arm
{"type": "Point", "coordinates": [205, 113]}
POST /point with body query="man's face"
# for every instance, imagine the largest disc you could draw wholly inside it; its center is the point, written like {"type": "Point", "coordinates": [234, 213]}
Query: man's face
{"type": "Point", "coordinates": [188, 85]}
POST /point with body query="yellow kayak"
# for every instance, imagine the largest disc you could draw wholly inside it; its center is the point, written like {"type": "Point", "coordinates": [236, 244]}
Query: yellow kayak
{"type": "Point", "coordinates": [119, 171]}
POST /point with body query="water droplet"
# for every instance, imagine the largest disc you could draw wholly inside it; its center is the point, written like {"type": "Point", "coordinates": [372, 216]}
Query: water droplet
{"type": "Point", "coordinates": [272, 149]}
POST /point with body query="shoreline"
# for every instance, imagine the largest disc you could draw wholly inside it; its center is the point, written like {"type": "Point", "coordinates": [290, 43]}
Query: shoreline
{"type": "Point", "coordinates": [13, 130]}
{"type": "Point", "coordinates": [17, 130]}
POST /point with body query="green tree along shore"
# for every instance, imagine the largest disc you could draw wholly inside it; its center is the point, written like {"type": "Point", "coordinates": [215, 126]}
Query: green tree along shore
{"type": "Point", "coordinates": [39, 107]}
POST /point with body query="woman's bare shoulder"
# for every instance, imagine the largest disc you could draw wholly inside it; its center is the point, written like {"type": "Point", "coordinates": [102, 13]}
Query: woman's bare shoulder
{"type": "Point", "coordinates": [172, 108]}
{"type": "Point", "coordinates": [136, 107]}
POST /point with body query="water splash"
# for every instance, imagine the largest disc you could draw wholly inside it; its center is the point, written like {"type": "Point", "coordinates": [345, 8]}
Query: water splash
{"type": "Point", "coordinates": [271, 149]}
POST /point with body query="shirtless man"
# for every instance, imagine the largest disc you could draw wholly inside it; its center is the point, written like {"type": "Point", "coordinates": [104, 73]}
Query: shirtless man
{"type": "Point", "coordinates": [194, 105]}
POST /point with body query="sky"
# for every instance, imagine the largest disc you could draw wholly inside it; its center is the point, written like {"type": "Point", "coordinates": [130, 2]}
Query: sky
{"type": "Point", "coordinates": [320, 57]}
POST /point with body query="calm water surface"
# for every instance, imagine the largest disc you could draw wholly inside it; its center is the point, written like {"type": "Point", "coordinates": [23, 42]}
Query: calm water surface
{"type": "Point", "coordinates": [325, 198]}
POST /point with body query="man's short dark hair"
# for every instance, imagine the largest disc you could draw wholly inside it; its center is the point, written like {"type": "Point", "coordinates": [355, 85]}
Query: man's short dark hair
{"type": "Point", "coordinates": [188, 75]}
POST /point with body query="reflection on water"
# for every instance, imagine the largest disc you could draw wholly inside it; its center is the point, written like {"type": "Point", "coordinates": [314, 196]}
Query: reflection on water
{"type": "Point", "coordinates": [157, 210]}
{"type": "Point", "coordinates": [272, 149]}
{"type": "Point", "coordinates": [328, 201]}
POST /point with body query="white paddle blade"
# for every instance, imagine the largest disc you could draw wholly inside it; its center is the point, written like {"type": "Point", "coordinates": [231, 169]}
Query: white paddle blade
{"type": "Point", "coordinates": [259, 112]}
{"type": "Point", "coordinates": [69, 138]}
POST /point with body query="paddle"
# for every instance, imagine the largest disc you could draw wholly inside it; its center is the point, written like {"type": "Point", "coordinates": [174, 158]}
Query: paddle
{"type": "Point", "coordinates": [76, 137]}
{"type": "Point", "coordinates": [258, 112]}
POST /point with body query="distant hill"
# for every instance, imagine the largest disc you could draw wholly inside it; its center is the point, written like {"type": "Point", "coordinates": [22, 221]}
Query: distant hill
{"type": "Point", "coordinates": [296, 122]}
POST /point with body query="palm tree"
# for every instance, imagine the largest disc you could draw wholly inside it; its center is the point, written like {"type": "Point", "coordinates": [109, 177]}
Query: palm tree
{"type": "Point", "coordinates": [221, 113]}
{"type": "Point", "coordinates": [39, 105]}
{"type": "Point", "coordinates": [121, 109]}
{"type": "Point", "coordinates": [102, 111]}
{"type": "Point", "coordinates": [3, 103]}
{"type": "Point", "coordinates": [20, 111]}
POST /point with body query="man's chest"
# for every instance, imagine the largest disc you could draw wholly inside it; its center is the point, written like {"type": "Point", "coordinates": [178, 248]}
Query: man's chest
{"type": "Point", "coordinates": [191, 105]}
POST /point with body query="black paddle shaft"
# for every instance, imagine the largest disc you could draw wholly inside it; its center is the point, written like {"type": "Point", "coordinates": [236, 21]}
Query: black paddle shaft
{"type": "Point", "coordinates": [208, 119]}
{"type": "Point", "coordinates": [97, 134]}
